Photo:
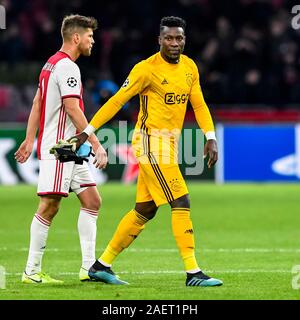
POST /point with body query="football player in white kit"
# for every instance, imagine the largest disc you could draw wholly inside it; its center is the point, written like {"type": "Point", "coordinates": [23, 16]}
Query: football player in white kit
{"type": "Point", "coordinates": [58, 113]}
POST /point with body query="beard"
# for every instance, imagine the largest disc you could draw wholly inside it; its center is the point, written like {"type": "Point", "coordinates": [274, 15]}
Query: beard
{"type": "Point", "coordinates": [85, 51]}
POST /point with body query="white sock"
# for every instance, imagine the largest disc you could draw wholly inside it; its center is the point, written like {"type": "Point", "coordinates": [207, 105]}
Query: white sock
{"type": "Point", "coordinates": [38, 238]}
{"type": "Point", "coordinates": [87, 228]}
{"type": "Point", "coordinates": [193, 271]}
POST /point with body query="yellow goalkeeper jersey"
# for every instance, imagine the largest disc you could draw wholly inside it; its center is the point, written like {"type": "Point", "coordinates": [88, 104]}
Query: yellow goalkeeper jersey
{"type": "Point", "coordinates": [164, 91]}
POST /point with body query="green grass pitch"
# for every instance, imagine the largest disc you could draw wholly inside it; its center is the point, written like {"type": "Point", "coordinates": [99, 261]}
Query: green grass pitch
{"type": "Point", "coordinates": [246, 235]}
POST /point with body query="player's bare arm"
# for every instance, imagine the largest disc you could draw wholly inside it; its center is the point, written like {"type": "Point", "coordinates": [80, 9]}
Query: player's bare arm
{"type": "Point", "coordinates": [211, 149]}
{"type": "Point", "coordinates": [110, 109]}
{"type": "Point", "coordinates": [25, 149]}
{"type": "Point", "coordinates": [80, 122]}
{"type": "Point", "coordinates": [79, 139]}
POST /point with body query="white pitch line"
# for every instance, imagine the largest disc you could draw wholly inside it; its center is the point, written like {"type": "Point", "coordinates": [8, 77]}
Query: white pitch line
{"type": "Point", "coordinates": [219, 250]}
{"type": "Point", "coordinates": [174, 272]}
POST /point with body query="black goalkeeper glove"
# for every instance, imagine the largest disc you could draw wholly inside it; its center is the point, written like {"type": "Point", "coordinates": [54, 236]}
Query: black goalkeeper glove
{"type": "Point", "coordinates": [65, 151]}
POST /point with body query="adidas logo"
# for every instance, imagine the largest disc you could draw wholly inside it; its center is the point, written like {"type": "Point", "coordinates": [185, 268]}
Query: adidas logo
{"type": "Point", "coordinates": [165, 81]}
{"type": "Point", "coordinates": [189, 231]}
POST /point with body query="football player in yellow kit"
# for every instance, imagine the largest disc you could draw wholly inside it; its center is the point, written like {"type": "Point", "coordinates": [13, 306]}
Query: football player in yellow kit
{"type": "Point", "coordinates": [165, 82]}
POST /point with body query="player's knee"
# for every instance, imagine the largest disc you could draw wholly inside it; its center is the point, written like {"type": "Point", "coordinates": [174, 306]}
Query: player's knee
{"type": "Point", "coordinates": [92, 203]}
{"type": "Point", "coordinates": [52, 205]}
{"type": "Point", "coordinates": [53, 208]}
{"type": "Point", "coordinates": [96, 203]}
{"type": "Point", "coordinates": [48, 208]}
{"type": "Point", "coordinates": [149, 214]}
{"type": "Point", "coordinates": [182, 202]}
{"type": "Point", "coordinates": [146, 209]}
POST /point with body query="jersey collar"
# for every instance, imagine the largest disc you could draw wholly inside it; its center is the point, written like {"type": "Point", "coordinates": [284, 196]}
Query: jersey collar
{"type": "Point", "coordinates": [64, 53]}
{"type": "Point", "coordinates": [168, 63]}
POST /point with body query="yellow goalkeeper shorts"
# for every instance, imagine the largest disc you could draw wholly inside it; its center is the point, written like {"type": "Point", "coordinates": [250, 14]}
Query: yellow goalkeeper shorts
{"type": "Point", "coordinates": [160, 178]}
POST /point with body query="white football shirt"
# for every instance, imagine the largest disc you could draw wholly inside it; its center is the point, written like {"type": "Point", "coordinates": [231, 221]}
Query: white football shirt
{"type": "Point", "coordinates": [59, 79]}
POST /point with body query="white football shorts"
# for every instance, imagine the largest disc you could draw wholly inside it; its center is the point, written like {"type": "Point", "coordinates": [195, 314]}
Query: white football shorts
{"type": "Point", "coordinates": [56, 178]}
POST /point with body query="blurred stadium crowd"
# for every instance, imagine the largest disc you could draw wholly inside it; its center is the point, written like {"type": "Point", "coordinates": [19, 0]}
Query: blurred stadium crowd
{"type": "Point", "coordinates": [246, 50]}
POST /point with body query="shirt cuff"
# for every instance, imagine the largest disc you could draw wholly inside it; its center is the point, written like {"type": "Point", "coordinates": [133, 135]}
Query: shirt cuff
{"type": "Point", "coordinates": [89, 130]}
{"type": "Point", "coordinates": [210, 135]}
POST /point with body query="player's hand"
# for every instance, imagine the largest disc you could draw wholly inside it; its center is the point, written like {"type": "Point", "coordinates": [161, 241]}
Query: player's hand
{"type": "Point", "coordinates": [24, 151]}
{"type": "Point", "coordinates": [211, 149]}
{"type": "Point", "coordinates": [95, 145]}
{"type": "Point", "coordinates": [100, 160]}
{"type": "Point", "coordinates": [79, 139]}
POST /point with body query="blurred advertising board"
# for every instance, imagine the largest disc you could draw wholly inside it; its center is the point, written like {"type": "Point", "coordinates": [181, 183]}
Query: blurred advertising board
{"type": "Point", "coordinates": [122, 164]}
{"type": "Point", "coordinates": [258, 153]}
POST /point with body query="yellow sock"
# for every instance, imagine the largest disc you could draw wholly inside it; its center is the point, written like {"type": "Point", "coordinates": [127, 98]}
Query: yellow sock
{"type": "Point", "coordinates": [128, 229]}
{"type": "Point", "coordinates": [184, 235]}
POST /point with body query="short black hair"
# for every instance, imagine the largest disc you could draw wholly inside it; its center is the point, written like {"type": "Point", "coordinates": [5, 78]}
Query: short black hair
{"type": "Point", "coordinates": [172, 21]}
